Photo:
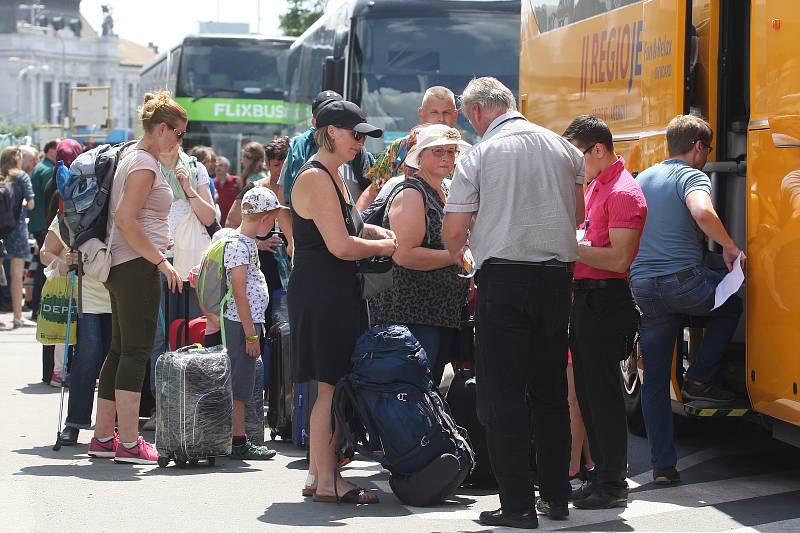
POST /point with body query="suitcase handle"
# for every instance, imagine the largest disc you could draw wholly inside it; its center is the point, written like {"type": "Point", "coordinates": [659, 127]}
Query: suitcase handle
{"type": "Point", "coordinates": [189, 347]}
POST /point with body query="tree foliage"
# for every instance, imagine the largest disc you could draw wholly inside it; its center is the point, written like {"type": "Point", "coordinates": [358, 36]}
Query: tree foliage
{"type": "Point", "coordinates": [13, 129]}
{"type": "Point", "coordinates": [300, 15]}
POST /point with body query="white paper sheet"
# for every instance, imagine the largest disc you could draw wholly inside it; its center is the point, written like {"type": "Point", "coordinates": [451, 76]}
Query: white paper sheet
{"type": "Point", "coordinates": [730, 283]}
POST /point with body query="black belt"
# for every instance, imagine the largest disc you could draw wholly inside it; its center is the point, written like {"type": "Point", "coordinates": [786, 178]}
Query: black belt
{"type": "Point", "coordinates": [550, 263]}
{"type": "Point", "coordinates": [587, 284]}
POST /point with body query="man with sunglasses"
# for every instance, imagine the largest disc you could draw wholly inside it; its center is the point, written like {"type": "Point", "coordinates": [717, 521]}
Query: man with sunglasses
{"type": "Point", "coordinates": [604, 319]}
{"type": "Point", "coordinates": [669, 281]}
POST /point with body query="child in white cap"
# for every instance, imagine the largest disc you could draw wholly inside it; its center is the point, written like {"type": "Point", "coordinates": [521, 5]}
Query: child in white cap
{"type": "Point", "coordinates": [243, 316]}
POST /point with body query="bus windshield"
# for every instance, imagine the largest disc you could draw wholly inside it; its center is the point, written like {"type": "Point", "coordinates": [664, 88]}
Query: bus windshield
{"type": "Point", "coordinates": [231, 68]}
{"type": "Point", "coordinates": [394, 60]}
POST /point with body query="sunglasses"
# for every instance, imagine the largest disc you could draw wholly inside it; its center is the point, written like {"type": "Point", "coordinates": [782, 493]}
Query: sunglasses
{"type": "Point", "coordinates": [179, 134]}
{"type": "Point", "coordinates": [357, 135]}
{"type": "Point", "coordinates": [585, 152]}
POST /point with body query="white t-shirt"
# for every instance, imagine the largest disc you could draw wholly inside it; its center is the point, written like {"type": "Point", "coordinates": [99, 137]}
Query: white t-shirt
{"type": "Point", "coordinates": [243, 251]}
{"type": "Point", "coordinates": [181, 207]}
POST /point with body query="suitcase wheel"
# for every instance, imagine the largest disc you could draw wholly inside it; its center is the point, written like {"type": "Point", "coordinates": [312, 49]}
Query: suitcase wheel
{"type": "Point", "coordinates": [163, 461]}
{"type": "Point", "coordinates": [212, 461]}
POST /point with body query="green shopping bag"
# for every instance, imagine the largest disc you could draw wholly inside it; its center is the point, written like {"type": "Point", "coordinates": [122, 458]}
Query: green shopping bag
{"type": "Point", "coordinates": [51, 324]}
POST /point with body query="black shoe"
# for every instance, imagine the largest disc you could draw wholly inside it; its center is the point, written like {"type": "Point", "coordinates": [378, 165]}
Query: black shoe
{"type": "Point", "coordinates": [69, 437]}
{"type": "Point", "coordinates": [584, 491]}
{"type": "Point", "coordinates": [527, 520]}
{"type": "Point", "coordinates": [604, 499]}
{"type": "Point", "coordinates": [705, 392]}
{"type": "Point", "coordinates": [666, 476]}
{"type": "Point", "coordinates": [554, 511]}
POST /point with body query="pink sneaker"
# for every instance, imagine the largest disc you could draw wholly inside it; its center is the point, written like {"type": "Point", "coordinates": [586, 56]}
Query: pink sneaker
{"type": "Point", "coordinates": [104, 449]}
{"type": "Point", "coordinates": [143, 453]}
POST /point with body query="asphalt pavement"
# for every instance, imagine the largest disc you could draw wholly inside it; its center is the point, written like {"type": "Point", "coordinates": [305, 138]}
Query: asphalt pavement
{"type": "Point", "coordinates": [735, 478]}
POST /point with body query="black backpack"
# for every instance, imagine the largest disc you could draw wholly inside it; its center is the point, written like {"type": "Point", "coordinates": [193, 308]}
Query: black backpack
{"type": "Point", "coordinates": [377, 213]}
{"type": "Point", "coordinates": [9, 208]}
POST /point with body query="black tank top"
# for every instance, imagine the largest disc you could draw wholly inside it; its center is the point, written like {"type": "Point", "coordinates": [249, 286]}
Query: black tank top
{"type": "Point", "coordinates": [309, 245]}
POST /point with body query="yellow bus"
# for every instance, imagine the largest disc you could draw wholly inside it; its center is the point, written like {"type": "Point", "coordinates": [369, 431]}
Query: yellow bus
{"type": "Point", "coordinates": [639, 63]}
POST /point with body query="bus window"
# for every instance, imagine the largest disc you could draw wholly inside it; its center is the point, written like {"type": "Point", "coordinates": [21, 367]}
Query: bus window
{"type": "Point", "coordinates": [242, 68]}
{"type": "Point", "coordinates": [394, 60]}
{"type": "Point", "coordinates": [553, 14]}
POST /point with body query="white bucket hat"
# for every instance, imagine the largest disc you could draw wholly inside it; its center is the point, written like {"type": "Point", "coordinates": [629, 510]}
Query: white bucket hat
{"type": "Point", "coordinates": [435, 135]}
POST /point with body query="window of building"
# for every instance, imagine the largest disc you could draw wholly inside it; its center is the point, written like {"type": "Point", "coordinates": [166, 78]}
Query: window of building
{"type": "Point", "coordinates": [47, 93]}
{"type": "Point", "coordinates": [63, 96]}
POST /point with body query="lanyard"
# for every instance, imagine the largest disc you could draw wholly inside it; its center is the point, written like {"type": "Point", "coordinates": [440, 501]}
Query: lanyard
{"type": "Point", "coordinates": [591, 193]}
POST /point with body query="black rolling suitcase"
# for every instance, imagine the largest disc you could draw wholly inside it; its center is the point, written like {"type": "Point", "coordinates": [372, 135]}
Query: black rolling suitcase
{"type": "Point", "coordinates": [280, 395]}
{"type": "Point", "coordinates": [462, 401]}
{"type": "Point", "coordinates": [195, 405]}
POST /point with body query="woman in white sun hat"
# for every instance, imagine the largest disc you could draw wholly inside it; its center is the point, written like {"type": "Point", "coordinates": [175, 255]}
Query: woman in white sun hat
{"type": "Point", "coordinates": [426, 294]}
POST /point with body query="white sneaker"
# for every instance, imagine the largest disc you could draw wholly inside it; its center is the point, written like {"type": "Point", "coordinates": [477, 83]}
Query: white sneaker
{"type": "Point", "coordinates": [150, 425]}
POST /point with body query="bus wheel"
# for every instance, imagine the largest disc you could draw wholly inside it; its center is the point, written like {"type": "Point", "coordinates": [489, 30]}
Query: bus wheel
{"type": "Point", "coordinates": [632, 393]}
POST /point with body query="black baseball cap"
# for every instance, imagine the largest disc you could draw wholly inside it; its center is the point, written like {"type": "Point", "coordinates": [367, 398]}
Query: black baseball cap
{"type": "Point", "coordinates": [323, 98]}
{"type": "Point", "coordinates": [344, 114]}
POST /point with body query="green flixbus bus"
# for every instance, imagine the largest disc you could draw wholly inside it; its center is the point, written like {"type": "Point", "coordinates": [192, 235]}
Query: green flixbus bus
{"type": "Point", "coordinates": [232, 87]}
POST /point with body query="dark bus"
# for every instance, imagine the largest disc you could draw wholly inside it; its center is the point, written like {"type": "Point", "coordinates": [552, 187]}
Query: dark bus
{"type": "Point", "coordinates": [232, 86]}
{"type": "Point", "coordinates": [384, 54]}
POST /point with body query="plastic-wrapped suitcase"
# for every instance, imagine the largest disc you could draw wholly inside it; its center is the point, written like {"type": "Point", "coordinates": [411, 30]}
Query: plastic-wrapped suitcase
{"type": "Point", "coordinates": [194, 403]}
{"type": "Point", "coordinates": [281, 408]}
{"type": "Point", "coordinates": [254, 410]}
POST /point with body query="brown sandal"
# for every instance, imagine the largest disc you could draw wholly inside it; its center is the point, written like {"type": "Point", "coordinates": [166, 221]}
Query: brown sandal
{"type": "Point", "coordinates": [309, 492]}
{"type": "Point", "coordinates": [356, 496]}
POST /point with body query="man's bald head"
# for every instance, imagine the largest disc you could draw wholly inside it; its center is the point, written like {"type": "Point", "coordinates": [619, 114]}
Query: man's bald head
{"type": "Point", "coordinates": [438, 107]}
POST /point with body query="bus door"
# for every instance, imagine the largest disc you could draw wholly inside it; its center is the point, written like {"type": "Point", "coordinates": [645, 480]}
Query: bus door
{"type": "Point", "coordinates": [773, 220]}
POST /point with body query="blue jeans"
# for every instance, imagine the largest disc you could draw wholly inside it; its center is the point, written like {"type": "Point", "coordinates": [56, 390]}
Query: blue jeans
{"type": "Point", "coordinates": [94, 341]}
{"type": "Point", "coordinates": [664, 301]}
{"type": "Point", "coordinates": [437, 342]}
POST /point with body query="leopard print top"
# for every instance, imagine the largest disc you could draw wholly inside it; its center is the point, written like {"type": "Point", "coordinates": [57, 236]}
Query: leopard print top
{"type": "Point", "coordinates": [432, 298]}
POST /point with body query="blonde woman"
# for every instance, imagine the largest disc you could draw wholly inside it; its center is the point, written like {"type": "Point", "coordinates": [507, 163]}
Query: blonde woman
{"type": "Point", "coordinates": [324, 295]}
{"type": "Point", "coordinates": [16, 241]}
{"type": "Point", "coordinates": [138, 209]}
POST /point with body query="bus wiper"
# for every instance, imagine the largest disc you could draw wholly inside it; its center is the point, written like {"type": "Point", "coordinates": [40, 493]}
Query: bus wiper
{"type": "Point", "coordinates": [213, 92]}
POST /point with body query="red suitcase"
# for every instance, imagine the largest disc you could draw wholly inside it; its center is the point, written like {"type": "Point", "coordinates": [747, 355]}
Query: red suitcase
{"type": "Point", "coordinates": [180, 337]}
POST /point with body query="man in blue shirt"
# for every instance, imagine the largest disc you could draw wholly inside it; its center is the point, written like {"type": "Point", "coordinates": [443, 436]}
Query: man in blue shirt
{"type": "Point", "coordinates": [669, 280]}
{"type": "Point", "coordinates": [302, 147]}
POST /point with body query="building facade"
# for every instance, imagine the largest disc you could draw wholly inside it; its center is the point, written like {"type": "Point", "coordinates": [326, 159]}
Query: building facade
{"type": "Point", "coordinates": [41, 64]}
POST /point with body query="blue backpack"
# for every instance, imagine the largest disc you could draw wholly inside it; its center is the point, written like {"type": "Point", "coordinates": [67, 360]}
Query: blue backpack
{"type": "Point", "coordinates": [388, 402]}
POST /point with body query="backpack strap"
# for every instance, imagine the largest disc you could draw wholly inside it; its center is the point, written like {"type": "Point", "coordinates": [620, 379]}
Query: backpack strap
{"type": "Point", "coordinates": [408, 183]}
{"type": "Point", "coordinates": [229, 293]}
{"type": "Point", "coordinates": [343, 396]}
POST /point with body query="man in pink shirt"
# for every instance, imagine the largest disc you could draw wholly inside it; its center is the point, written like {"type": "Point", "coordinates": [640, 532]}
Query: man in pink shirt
{"type": "Point", "coordinates": [604, 318]}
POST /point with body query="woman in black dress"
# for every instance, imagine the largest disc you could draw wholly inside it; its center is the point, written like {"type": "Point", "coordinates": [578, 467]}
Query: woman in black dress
{"type": "Point", "coordinates": [324, 295]}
